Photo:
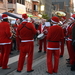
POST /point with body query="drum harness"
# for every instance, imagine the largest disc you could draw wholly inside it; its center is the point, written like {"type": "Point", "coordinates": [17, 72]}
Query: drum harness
{"type": "Point", "coordinates": [24, 25]}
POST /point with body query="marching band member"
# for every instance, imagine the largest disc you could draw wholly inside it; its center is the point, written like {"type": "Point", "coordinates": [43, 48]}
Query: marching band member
{"type": "Point", "coordinates": [5, 42]}
{"type": "Point", "coordinates": [63, 19]}
{"type": "Point", "coordinates": [69, 40]}
{"type": "Point", "coordinates": [42, 29]}
{"type": "Point", "coordinates": [54, 37]}
{"type": "Point", "coordinates": [25, 33]}
{"type": "Point", "coordinates": [16, 41]}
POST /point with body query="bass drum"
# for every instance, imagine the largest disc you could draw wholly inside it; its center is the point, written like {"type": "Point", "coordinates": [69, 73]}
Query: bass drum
{"type": "Point", "coordinates": [41, 36]}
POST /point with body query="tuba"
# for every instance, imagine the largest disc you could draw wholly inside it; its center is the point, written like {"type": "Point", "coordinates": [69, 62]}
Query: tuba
{"type": "Point", "coordinates": [60, 13]}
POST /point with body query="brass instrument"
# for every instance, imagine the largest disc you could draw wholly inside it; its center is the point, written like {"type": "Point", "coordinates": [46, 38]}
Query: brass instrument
{"type": "Point", "coordinates": [13, 33]}
{"type": "Point", "coordinates": [60, 13]}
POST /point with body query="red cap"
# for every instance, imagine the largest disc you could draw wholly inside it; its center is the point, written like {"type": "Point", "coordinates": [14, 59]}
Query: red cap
{"type": "Point", "coordinates": [4, 16]}
{"type": "Point", "coordinates": [17, 19]}
{"type": "Point", "coordinates": [55, 19]}
{"type": "Point", "coordinates": [63, 17]}
{"type": "Point", "coordinates": [24, 16]}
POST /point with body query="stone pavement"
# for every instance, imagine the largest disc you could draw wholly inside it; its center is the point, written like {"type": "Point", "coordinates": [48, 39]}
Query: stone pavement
{"type": "Point", "coordinates": [39, 66]}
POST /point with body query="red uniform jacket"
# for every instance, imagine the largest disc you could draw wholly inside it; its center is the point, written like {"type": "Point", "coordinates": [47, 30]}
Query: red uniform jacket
{"type": "Point", "coordinates": [5, 32]}
{"type": "Point", "coordinates": [15, 27]}
{"type": "Point", "coordinates": [41, 29]}
{"type": "Point", "coordinates": [55, 34]}
{"type": "Point", "coordinates": [69, 31]}
{"type": "Point", "coordinates": [27, 31]}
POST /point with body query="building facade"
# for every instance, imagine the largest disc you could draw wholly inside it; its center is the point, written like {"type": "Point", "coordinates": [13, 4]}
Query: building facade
{"type": "Point", "coordinates": [3, 6]}
{"type": "Point", "coordinates": [46, 5]}
{"type": "Point", "coordinates": [35, 7]}
{"type": "Point", "coordinates": [63, 5]}
{"type": "Point", "coordinates": [23, 6]}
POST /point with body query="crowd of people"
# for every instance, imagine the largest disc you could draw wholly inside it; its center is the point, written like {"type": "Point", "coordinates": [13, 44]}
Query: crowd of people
{"type": "Point", "coordinates": [22, 35]}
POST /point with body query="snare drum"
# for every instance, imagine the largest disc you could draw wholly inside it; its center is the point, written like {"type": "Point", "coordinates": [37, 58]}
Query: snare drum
{"type": "Point", "coordinates": [40, 36]}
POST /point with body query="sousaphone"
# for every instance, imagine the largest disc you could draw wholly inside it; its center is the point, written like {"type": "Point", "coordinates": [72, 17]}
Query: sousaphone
{"type": "Point", "coordinates": [60, 13]}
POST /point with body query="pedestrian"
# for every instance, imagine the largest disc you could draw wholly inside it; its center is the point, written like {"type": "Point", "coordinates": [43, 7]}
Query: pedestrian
{"type": "Point", "coordinates": [25, 33]}
{"type": "Point", "coordinates": [5, 42]}
{"type": "Point", "coordinates": [54, 37]}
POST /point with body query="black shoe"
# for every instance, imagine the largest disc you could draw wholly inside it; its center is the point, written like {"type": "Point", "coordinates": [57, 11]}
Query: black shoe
{"type": "Point", "coordinates": [18, 51]}
{"type": "Point", "coordinates": [44, 51]}
{"type": "Point", "coordinates": [61, 56]}
{"type": "Point", "coordinates": [18, 71]}
{"type": "Point", "coordinates": [48, 72]}
{"type": "Point", "coordinates": [30, 71]}
{"type": "Point", "coordinates": [68, 59]}
{"type": "Point", "coordinates": [69, 65]}
{"type": "Point", "coordinates": [73, 67]}
{"type": "Point", "coordinates": [39, 51]}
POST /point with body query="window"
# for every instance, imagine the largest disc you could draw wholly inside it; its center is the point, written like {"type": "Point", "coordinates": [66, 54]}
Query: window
{"type": "Point", "coordinates": [18, 1]}
{"type": "Point", "coordinates": [23, 2]}
{"type": "Point", "coordinates": [35, 8]}
{"type": "Point", "coordinates": [10, 1]}
{"type": "Point", "coordinates": [1, 0]}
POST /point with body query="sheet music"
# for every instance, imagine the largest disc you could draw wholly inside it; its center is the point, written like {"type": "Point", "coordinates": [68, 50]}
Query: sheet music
{"type": "Point", "coordinates": [47, 24]}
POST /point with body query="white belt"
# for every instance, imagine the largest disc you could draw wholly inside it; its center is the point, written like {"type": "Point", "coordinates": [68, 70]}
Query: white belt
{"type": "Point", "coordinates": [53, 48]}
{"type": "Point", "coordinates": [68, 39]}
{"type": "Point", "coordinates": [5, 43]}
{"type": "Point", "coordinates": [26, 40]}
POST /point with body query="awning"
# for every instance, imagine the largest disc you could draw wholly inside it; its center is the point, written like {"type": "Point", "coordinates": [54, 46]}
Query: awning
{"type": "Point", "coordinates": [29, 15]}
{"type": "Point", "coordinates": [35, 17]}
{"type": "Point", "coordinates": [13, 15]}
{"type": "Point", "coordinates": [8, 17]}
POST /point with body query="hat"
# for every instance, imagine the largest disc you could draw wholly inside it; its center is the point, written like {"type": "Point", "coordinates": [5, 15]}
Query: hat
{"type": "Point", "coordinates": [4, 16]}
{"type": "Point", "coordinates": [24, 16]}
{"type": "Point", "coordinates": [73, 17]}
{"type": "Point", "coordinates": [63, 17]}
{"type": "Point", "coordinates": [17, 19]}
{"type": "Point", "coordinates": [55, 19]}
